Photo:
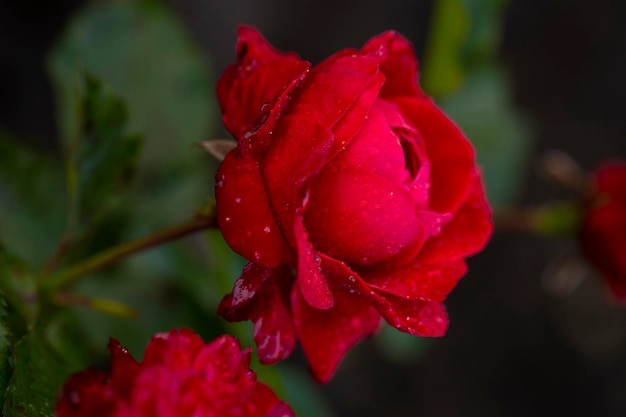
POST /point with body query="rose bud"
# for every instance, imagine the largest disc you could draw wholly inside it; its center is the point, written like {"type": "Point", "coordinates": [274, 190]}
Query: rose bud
{"type": "Point", "coordinates": [180, 376]}
{"type": "Point", "coordinates": [603, 227]}
{"type": "Point", "coordinates": [351, 194]}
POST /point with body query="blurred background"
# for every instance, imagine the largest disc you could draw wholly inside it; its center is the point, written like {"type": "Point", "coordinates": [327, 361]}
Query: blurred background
{"type": "Point", "coordinates": [532, 331]}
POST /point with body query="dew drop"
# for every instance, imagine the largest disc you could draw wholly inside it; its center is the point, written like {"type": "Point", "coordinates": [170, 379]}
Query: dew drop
{"type": "Point", "coordinates": [228, 219]}
{"type": "Point", "coordinates": [257, 255]}
{"type": "Point", "coordinates": [352, 278]}
{"type": "Point", "coordinates": [238, 200]}
{"type": "Point", "coordinates": [265, 106]}
{"type": "Point", "coordinates": [267, 229]}
{"type": "Point", "coordinates": [75, 398]}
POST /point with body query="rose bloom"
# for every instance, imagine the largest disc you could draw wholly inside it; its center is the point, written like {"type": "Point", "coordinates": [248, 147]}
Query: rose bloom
{"type": "Point", "coordinates": [351, 194]}
{"type": "Point", "coordinates": [603, 227]}
{"type": "Point", "coordinates": [180, 376]}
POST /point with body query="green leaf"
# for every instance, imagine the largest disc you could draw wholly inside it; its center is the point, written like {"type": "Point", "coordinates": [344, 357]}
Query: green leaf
{"type": "Point", "coordinates": [103, 155]}
{"type": "Point", "coordinates": [39, 372]}
{"type": "Point", "coordinates": [483, 109]}
{"type": "Point", "coordinates": [5, 353]}
{"type": "Point", "coordinates": [31, 184]}
{"type": "Point", "coordinates": [144, 54]}
{"type": "Point", "coordinates": [443, 69]}
{"type": "Point", "coordinates": [18, 289]}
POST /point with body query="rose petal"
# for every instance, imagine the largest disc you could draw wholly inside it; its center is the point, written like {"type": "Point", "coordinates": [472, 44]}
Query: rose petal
{"type": "Point", "coordinates": [300, 150]}
{"type": "Point", "coordinates": [377, 148]}
{"type": "Point", "coordinates": [467, 233]}
{"type": "Point", "coordinates": [326, 335]}
{"type": "Point", "coordinates": [428, 282]}
{"type": "Point", "coordinates": [220, 358]}
{"type": "Point", "coordinates": [175, 349]}
{"type": "Point", "coordinates": [274, 332]}
{"type": "Point", "coordinates": [312, 283]}
{"type": "Point", "coordinates": [260, 82]}
{"type": "Point", "coordinates": [244, 215]}
{"type": "Point", "coordinates": [123, 367]}
{"type": "Point", "coordinates": [449, 152]}
{"type": "Point", "coordinates": [352, 121]}
{"type": "Point", "coordinates": [335, 87]}
{"type": "Point", "coordinates": [419, 317]}
{"type": "Point", "coordinates": [360, 217]}
{"type": "Point", "coordinates": [603, 227]}
{"type": "Point", "coordinates": [398, 64]}
{"type": "Point", "coordinates": [247, 285]}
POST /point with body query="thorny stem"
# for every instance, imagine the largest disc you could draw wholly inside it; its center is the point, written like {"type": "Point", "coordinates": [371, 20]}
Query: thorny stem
{"type": "Point", "coordinates": [64, 277]}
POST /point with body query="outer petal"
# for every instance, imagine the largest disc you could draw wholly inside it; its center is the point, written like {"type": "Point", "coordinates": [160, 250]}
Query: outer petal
{"type": "Point", "coordinates": [312, 282]}
{"type": "Point", "coordinates": [253, 92]}
{"type": "Point", "coordinates": [466, 234]}
{"type": "Point", "coordinates": [398, 64]}
{"type": "Point", "coordinates": [299, 152]}
{"type": "Point", "coordinates": [603, 228]}
{"type": "Point", "coordinates": [175, 349]}
{"type": "Point", "coordinates": [450, 154]}
{"type": "Point", "coordinates": [414, 316]}
{"type": "Point", "coordinates": [427, 282]}
{"type": "Point", "coordinates": [326, 335]}
{"type": "Point", "coordinates": [343, 83]}
{"type": "Point", "coordinates": [221, 358]}
{"type": "Point", "coordinates": [244, 214]}
{"type": "Point", "coordinates": [247, 285]}
{"type": "Point", "coordinates": [418, 317]}
{"type": "Point", "coordinates": [274, 332]}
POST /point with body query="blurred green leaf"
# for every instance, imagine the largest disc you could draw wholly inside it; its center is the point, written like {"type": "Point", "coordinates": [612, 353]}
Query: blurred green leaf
{"type": "Point", "coordinates": [5, 353]}
{"type": "Point", "coordinates": [18, 289]}
{"type": "Point", "coordinates": [102, 157]}
{"type": "Point", "coordinates": [502, 136]}
{"type": "Point", "coordinates": [443, 70]}
{"type": "Point", "coordinates": [303, 395]}
{"type": "Point", "coordinates": [39, 372]}
{"type": "Point", "coordinates": [31, 203]}
{"type": "Point", "coordinates": [144, 54]}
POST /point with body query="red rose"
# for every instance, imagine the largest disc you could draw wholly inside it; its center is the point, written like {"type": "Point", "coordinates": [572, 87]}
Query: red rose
{"type": "Point", "coordinates": [603, 229]}
{"type": "Point", "coordinates": [347, 174]}
{"type": "Point", "coordinates": [179, 376]}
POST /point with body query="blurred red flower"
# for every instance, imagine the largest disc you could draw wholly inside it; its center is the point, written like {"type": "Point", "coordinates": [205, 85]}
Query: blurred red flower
{"type": "Point", "coordinates": [603, 228]}
{"type": "Point", "coordinates": [180, 376]}
{"type": "Point", "coordinates": [347, 174]}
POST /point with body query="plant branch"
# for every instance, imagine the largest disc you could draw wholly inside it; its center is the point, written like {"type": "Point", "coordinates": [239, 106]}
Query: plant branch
{"type": "Point", "coordinates": [108, 257]}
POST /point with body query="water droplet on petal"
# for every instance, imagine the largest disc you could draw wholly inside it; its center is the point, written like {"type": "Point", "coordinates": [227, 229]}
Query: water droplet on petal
{"type": "Point", "coordinates": [238, 200]}
{"type": "Point", "coordinates": [228, 219]}
{"type": "Point", "coordinates": [257, 255]}
{"type": "Point", "coordinates": [267, 229]}
{"type": "Point", "coordinates": [265, 106]}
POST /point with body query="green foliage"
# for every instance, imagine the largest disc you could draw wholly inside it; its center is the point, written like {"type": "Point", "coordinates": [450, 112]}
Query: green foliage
{"type": "Point", "coordinates": [462, 72]}
{"type": "Point", "coordinates": [19, 294]}
{"type": "Point", "coordinates": [102, 156]}
{"type": "Point", "coordinates": [501, 135]}
{"type": "Point", "coordinates": [443, 70]}
{"type": "Point", "coordinates": [39, 371]}
{"type": "Point", "coordinates": [31, 195]}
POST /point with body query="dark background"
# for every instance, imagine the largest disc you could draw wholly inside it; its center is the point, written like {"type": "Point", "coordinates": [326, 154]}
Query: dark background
{"type": "Point", "coordinates": [514, 348]}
